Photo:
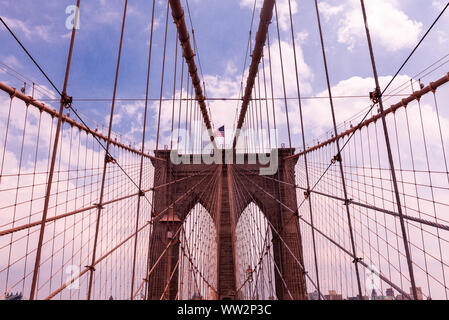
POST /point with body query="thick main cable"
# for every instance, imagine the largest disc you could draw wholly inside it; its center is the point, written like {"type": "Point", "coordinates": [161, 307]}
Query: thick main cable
{"type": "Point", "coordinates": [265, 19]}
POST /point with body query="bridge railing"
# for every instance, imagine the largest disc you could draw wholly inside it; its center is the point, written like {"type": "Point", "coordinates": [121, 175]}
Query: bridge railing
{"type": "Point", "coordinates": [419, 135]}
{"type": "Point", "coordinates": [28, 129]}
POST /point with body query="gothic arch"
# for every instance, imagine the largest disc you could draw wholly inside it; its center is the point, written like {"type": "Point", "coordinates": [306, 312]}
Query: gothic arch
{"type": "Point", "coordinates": [225, 198]}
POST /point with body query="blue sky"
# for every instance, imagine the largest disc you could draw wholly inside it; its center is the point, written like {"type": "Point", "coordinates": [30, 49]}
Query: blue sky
{"type": "Point", "coordinates": [221, 29]}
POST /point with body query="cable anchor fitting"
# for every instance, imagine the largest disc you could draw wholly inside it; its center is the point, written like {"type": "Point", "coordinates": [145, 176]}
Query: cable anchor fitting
{"type": "Point", "coordinates": [348, 202]}
{"type": "Point", "coordinates": [90, 268]}
{"type": "Point", "coordinates": [66, 100]}
{"type": "Point", "coordinates": [109, 159]}
{"type": "Point", "coordinates": [13, 95]}
{"type": "Point", "coordinates": [375, 95]}
{"type": "Point", "coordinates": [357, 260]}
{"type": "Point", "coordinates": [307, 194]}
{"type": "Point", "coordinates": [337, 158]}
{"type": "Point", "coordinates": [141, 193]}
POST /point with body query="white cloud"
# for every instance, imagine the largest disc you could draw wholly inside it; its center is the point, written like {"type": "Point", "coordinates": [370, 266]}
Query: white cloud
{"type": "Point", "coordinates": [109, 12]}
{"type": "Point", "coordinates": [438, 4]}
{"type": "Point", "coordinates": [306, 74]}
{"type": "Point", "coordinates": [390, 26]}
{"type": "Point", "coordinates": [442, 34]}
{"type": "Point", "coordinates": [231, 69]}
{"type": "Point", "coordinates": [319, 113]}
{"type": "Point", "coordinates": [302, 36]}
{"type": "Point", "coordinates": [223, 112]}
{"type": "Point", "coordinates": [12, 62]}
{"type": "Point", "coordinates": [30, 32]}
{"type": "Point", "coordinates": [442, 37]}
{"type": "Point", "coordinates": [329, 11]}
{"type": "Point", "coordinates": [283, 11]}
{"type": "Point", "coordinates": [76, 185]}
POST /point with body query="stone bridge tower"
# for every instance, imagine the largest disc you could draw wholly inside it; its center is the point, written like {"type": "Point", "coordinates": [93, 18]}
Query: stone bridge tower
{"type": "Point", "coordinates": [225, 206]}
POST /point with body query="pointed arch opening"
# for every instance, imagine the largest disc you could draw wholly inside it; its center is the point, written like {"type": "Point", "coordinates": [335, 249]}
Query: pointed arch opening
{"type": "Point", "coordinates": [198, 256]}
{"type": "Point", "coordinates": [255, 266]}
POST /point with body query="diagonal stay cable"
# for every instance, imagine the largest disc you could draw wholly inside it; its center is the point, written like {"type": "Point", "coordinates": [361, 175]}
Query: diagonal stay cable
{"type": "Point", "coordinates": [416, 47]}
{"type": "Point", "coordinates": [242, 176]}
{"type": "Point", "coordinates": [365, 265]}
{"type": "Point", "coordinates": [72, 108]}
{"type": "Point", "coordinates": [374, 104]}
{"type": "Point", "coordinates": [148, 223]}
{"type": "Point", "coordinates": [188, 256]}
{"type": "Point", "coordinates": [353, 202]}
{"type": "Point", "coordinates": [30, 56]}
{"type": "Point", "coordinates": [81, 210]}
{"type": "Point", "coordinates": [277, 269]}
{"type": "Point", "coordinates": [147, 277]}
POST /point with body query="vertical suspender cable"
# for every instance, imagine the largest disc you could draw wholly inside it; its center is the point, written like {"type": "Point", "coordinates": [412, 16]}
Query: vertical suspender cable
{"type": "Point", "coordinates": [304, 147]}
{"type": "Point", "coordinates": [174, 92]}
{"type": "Point", "coordinates": [143, 148]}
{"type": "Point", "coordinates": [180, 105]}
{"type": "Point", "coordinates": [162, 80]}
{"type": "Point", "coordinates": [338, 157]}
{"type": "Point", "coordinates": [108, 144]}
{"type": "Point", "coordinates": [64, 101]}
{"type": "Point", "coordinates": [390, 157]}
{"type": "Point", "coordinates": [287, 117]}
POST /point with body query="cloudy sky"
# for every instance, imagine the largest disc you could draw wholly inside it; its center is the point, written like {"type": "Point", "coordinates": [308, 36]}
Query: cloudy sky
{"type": "Point", "coordinates": [221, 30]}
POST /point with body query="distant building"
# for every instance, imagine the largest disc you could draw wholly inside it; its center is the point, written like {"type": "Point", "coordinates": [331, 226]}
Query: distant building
{"type": "Point", "coordinates": [333, 295]}
{"type": "Point", "coordinates": [390, 293]}
{"type": "Point", "coordinates": [14, 296]}
{"type": "Point", "coordinates": [357, 298]}
{"type": "Point", "coordinates": [380, 297]}
{"type": "Point", "coordinates": [374, 295]}
{"type": "Point", "coordinates": [197, 296]}
{"type": "Point", "coordinates": [418, 291]}
{"type": "Point", "coordinates": [314, 295]}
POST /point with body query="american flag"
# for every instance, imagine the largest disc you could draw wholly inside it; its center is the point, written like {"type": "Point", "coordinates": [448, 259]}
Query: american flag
{"type": "Point", "coordinates": [220, 132]}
